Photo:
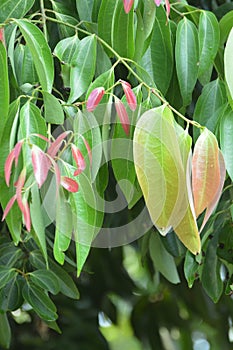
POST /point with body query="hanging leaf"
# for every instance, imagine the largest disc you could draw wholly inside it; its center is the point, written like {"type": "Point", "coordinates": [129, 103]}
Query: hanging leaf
{"type": "Point", "coordinates": [123, 31]}
{"type": "Point", "coordinates": [228, 57]}
{"type": "Point", "coordinates": [82, 67]}
{"type": "Point", "coordinates": [161, 51]}
{"type": "Point", "coordinates": [46, 279]}
{"type": "Point", "coordinates": [225, 25]}
{"type": "Point", "coordinates": [162, 260]}
{"type": "Point", "coordinates": [105, 21]}
{"type": "Point", "coordinates": [209, 37]}
{"type": "Point", "coordinates": [84, 8]}
{"type": "Point", "coordinates": [5, 331]}
{"type": "Point", "coordinates": [40, 51]}
{"type": "Point", "coordinates": [186, 54]}
{"type": "Point", "coordinates": [205, 171]}
{"type": "Point", "coordinates": [53, 109]}
{"type": "Point", "coordinates": [226, 140]}
{"type": "Point", "coordinates": [14, 8]}
{"type": "Point", "coordinates": [66, 48]}
{"type": "Point", "coordinates": [4, 88]}
{"type": "Point", "coordinates": [24, 66]}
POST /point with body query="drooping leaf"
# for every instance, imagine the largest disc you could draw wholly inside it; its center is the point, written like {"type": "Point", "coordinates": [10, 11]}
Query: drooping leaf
{"type": "Point", "coordinates": [40, 51]}
{"type": "Point", "coordinates": [190, 269]}
{"type": "Point", "coordinates": [5, 331]}
{"type": "Point", "coordinates": [84, 8]}
{"type": "Point", "coordinates": [82, 67]}
{"type": "Point", "coordinates": [228, 57]}
{"type": "Point", "coordinates": [41, 165]}
{"type": "Point", "coordinates": [24, 66]}
{"type": "Point", "coordinates": [94, 98]}
{"type": "Point", "coordinates": [162, 260]}
{"type": "Point", "coordinates": [225, 25]}
{"type": "Point", "coordinates": [161, 51]}
{"type": "Point", "coordinates": [6, 274]}
{"type": "Point", "coordinates": [45, 279]}
{"type": "Point", "coordinates": [209, 37]}
{"type": "Point", "coordinates": [38, 220]}
{"type": "Point", "coordinates": [105, 21]}
{"type": "Point", "coordinates": [226, 140]}
{"type": "Point", "coordinates": [4, 88]}
{"type": "Point", "coordinates": [66, 48]}
{"type": "Point", "coordinates": [186, 54]}
{"type": "Point", "coordinates": [205, 171]}
{"type": "Point", "coordinates": [122, 36]}
{"type": "Point", "coordinates": [40, 301]}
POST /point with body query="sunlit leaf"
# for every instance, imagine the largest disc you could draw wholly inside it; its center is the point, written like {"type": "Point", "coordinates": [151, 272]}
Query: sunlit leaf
{"type": "Point", "coordinates": [4, 88]}
{"type": "Point", "coordinates": [228, 57]}
{"type": "Point", "coordinates": [226, 140]}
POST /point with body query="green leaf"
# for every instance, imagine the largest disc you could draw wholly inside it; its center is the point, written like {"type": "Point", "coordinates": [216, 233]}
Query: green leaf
{"type": "Point", "coordinates": [191, 268]}
{"type": "Point", "coordinates": [10, 254]}
{"type": "Point", "coordinates": [161, 51]}
{"type": "Point", "coordinates": [6, 274]}
{"type": "Point", "coordinates": [226, 140]}
{"type": "Point", "coordinates": [67, 285]}
{"type": "Point", "coordinates": [225, 25]}
{"type": "Point", "coordinates": [209, 37]}
{"type": "Point", "coordinates": [11, 296]}
{"type": "Point", "coordinates": [162, 260]}
{"type": "Point", "coordinates": [228, 57]}
{"type": "Point", "coordinates": [4, 88]}
{"type": "Point", "coordinates": [46, 279]}
{"type": "Point", "coordinates": [106, 80]}
{"type": "Point", "coordinates": [140, 37]}
{"type": "Point", "coordinates": [208, 107]}
{"type": "Point", "coordinates": [122, 36]}
{"type": "Point", "coordinates": [38, 221]}
{"type": "Point", "coordinates": [24, 66]}
{"type": "Point", "coordinates": [66, 48]}
{"type": "Point", "coordinates": [66, 13]}
{"type": "Point", "coordinates": [64, 226]}
{"type": "Point", "coordinates": [14, 8]}
{"type": "Point", "coordinates": [210, 278]}
{"type": "Point", "coordinates": [83, 67]}
{"type": "Point", "coordinates": [149, 13]}
{"type": "Point", "coordinates": [122, 161]}
{"type": "Point", "coordinates": [105, 21]}
{"type": "Point", "coordinates": [40, 51]}
{"type": "Point", "coordinates": [53, 109]}
{"type": "Point", "coordinates": [186, 54]}
{"type": "Point", "coordinates": [103, 62]}
{"type": "Point", "coordinates": [40, 302]}
{"type": "Point", "coordinates": [84, 8]}
{"type": "Point", "coordinates": [5, 331]}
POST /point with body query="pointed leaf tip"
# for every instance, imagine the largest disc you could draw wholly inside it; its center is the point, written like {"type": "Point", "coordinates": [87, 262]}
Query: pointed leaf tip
{"type": "Point", "coordinates": [157, 2]}
{"type": "Point", "coordinates": [8, 207]}
{"type": "Point", "coordinates": [128, 5]}
{"type": "Point", "coordinates": [95, 98]}
{"type": "Point", "coordinates": [69, 184]}
{"type": "Point", "coordinates": [129, 94]}
{"type": "Point", "coordinates": [122, 114]}
{"type": "Point", "coordinates": [8, 166]}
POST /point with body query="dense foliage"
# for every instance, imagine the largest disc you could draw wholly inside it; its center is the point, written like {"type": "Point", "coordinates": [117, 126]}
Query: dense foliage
{"type": "Point", "coordinates": [116, 131]}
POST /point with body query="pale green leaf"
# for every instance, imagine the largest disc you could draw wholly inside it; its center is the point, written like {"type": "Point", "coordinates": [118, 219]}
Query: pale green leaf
{"type": "Point", "coordinates": [4, 88]}
{"type": "Point", "coordinates": [52, 109]}
{"type": "Point", "coordinates": [228, 58]}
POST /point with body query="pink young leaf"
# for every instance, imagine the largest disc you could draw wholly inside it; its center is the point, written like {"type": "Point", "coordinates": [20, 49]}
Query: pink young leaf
{"type": "Point", "coordinates": [2, 38]}
{"type": "Point", "coordinates": [122, 113]}
{"type": "Point", "coordinates": [55, 146]}
{"type": "Point", "coordinates": [88, 149]}
{"type": "Point", "coordinates": [79, 159]}
{"type": "Point", "coordinates": [26, 216]}
{"type": "Point", "coordinates": [42, 137]}
{"type": "Point", "coordinates": [17, 150]}
{"type": "Point", "coordinates": [129, 94]}
{"type": "Point", "coordinates": [8, 166]}
{"type": "Point", "coordinates": [57, 173]}
{"type": "Point", "coordinates": [69, 184]}
{"type": "Point", "coordinates": [157, 2]}
{"type": "Point", "coordinates": [8, 207]}
{"type": "Point", "coordinates": [205, 171]}
{"type": "Point", "coordinates": [167, 4]}
{"type": "Point", "coordinates": [213, 203]}
{"type": "Point", "coordinates": [20, 184]}
{"type": "Point", "coordinates": [128, 5]}
{"type": "Point", "coordinates": [41, 165]}
{"type": "Point", "coordinates": [95, 98]}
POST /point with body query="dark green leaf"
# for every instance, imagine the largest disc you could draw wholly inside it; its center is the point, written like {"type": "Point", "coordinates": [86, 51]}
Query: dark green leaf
{"type": "Point", "coordinates": [5, 331]}
{"type": "Point", "coordinates": [24, 66]}
{"type": "Point", "coordinates": [46, 279]}
{"type": "Point", "coordinates": [162, 260]}
{"type": "Point", "coordinates": [190, 268]}
{"type": "Point", "coordinates": [186, 53]}
{"type": "Point", "coordinates": [40, 302]}
{"type": "Point", "coordinates": [11, 295]}
{"type": "Point", "coordinates": [6, 274]}
{"type": "Point", "coordinates": [40, 51]}
{"type": "Point", "coordinates": [225, 247]}
{"type": "Point", "coordinates": [10, 254]}
{"type": "Point", "coordinates": [211, 279]}
{"type": "Point", "coordinates": [123, 31]}
{"type": "Point", "coordinates": [209, 37]}
{"type": "Point", "coordinates": [14, 8]}
{"type": "Point", "coordinates": [105, 21]}
{"type": "Point", "coordinates": [225, 25]}
{"type": "Point", "coordinates": [83, 67]}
